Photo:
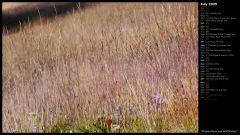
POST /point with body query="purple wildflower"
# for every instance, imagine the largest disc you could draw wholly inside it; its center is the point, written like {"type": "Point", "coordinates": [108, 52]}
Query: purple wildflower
{"type": "Point", "coordinates": [117, 114]}
{"type": "Point", "coordinates": [34, 127]}
{"type": "Point", "coordinates": [156, 98]}
{"type": "Point", "coordinates": [158, 101]}
{"type": "Point", "coordinates": [117, 109]}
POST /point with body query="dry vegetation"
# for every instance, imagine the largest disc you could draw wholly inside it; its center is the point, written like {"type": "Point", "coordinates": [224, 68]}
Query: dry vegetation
{"type": "Point", "coordinates": [133, 63]}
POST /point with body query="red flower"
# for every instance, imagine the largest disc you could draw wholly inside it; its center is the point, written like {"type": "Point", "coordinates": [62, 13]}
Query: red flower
{"type": "Point", "coordinates": [108, 121]}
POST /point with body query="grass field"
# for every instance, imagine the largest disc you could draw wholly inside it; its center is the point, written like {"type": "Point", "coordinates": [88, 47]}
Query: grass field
{"type": "Point", "coordinates": [114, 67]}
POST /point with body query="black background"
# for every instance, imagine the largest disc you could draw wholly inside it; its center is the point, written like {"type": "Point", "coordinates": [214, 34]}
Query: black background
{"type": "Point", "coordinates": [223, 113]}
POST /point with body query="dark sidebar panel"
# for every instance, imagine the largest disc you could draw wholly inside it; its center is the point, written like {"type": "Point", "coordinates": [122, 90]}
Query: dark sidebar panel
{"type": "Point", "coordinates": [219, 65]}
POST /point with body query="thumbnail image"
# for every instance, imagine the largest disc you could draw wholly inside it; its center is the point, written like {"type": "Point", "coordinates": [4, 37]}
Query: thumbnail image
{"type": "Point", "coordinates": [100, 67]}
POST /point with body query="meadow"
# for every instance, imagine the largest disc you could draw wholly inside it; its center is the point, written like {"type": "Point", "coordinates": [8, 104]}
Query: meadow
{"type": "Point", "coordinates": [112, 67]}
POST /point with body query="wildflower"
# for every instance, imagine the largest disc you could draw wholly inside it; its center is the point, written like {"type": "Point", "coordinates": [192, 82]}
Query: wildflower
{"type": "Point", "coordinates": [118, 110]}
{"type": "Point", "coordinates": [156, 98]}
{"type": "Point", "coordinates": [34, 127]}
{"type": "Point", "coordinates": [108, 121]}
{"type": "Point", "coordinates": [158, 101]}
{"type": "Point", "coordinates": [70, 131]}
{"type": "Point", "coordinates": [117, 114]}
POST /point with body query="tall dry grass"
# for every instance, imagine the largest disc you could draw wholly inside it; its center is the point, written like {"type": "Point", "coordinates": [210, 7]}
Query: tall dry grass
{"type": "Point", "coordinates": [140, 57]}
